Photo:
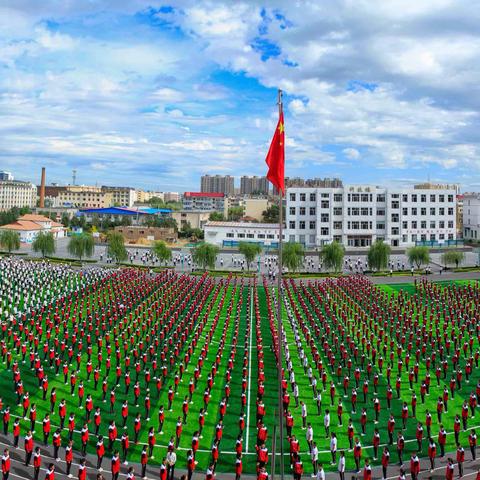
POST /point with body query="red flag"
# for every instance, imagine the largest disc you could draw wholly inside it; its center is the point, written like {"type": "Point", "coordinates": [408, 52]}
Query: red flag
{"type": "Point", "coordinates": [276, 157]}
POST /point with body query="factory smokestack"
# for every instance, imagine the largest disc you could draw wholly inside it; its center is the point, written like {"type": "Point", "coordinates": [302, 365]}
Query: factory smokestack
{"type": "Point", "coordinates": [42, 190]}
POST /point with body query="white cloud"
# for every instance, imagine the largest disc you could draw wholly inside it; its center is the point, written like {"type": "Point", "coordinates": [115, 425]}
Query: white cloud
{"type": "Point", "coordinates": [351, 153]}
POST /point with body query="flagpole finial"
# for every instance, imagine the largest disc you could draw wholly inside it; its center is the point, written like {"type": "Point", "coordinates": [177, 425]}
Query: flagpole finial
{"type": "Point", "coordinates": [280, 99]}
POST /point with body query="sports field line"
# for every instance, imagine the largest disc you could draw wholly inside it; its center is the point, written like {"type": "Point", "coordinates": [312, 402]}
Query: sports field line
{"type": "Point", "coordinates": [249, 372]}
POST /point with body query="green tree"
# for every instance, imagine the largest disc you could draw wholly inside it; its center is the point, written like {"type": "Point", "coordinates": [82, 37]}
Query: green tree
{"type": "Point", "coordinates": [271, 214]}
{"type": "Point", "coordinates": [292, 255]}
{"type": "Point", "coordinates": [116, 246]}
{"type": "Point", "coordinates": [332, 256]}
{"type": "Point", "coordinates": [249, 250]}
{"type": "Point", "coordinates": [216, 217]}
{"type": "Point", "coordinates": [418, 256]}
{"type": "Point", "coordinates": [163, 253]}
{"type": "Point", "coordinates": [10, 240]}
{"type": "Point", "coordinates": [44, 243]}
{"type": "Point", "coordinates": [453, 257]}
{"type": "Point", "coordinates": [65, 221]}
{"type": "Point", "coordinates": [81, 245]}
{"type": "Point", "coordinates": [235, 213]}
{"type": "Point", "coordinates": [205, 255]}
{"type": "Point", "coordinates": [378, 255]}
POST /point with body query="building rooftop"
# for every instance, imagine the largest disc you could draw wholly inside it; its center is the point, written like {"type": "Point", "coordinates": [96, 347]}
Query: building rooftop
{"type": "Point", "coordinates": [242, 225]}
{"type": "Point", "coordinates": [204, 194]}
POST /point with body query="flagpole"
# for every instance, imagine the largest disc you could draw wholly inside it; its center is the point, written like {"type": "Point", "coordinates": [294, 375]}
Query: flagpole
{"type": "Point", "coordinates": [279, 310]}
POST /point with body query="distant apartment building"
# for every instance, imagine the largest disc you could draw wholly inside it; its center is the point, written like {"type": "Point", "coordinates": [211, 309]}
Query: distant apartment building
{"type": "Point", "coordinates": [210, 201]}
{"type": "Point", "coordinates": [5, 176]}
{"type": "Point", "coordinates": [254, 185]}
{"type": "Point", "coordinates": [144, 196]}
{"type": "Point", "coordinates": [296, 182]}
{"type": "Point", "coordinates": [471, 216]}
{"type": "Point", "coordinates": [357, 215]}
{"type": "Point", "coordinates": [88, 198]}
{"type": "Point", "coordinates": [121, 196]}
{"type": "Point", "coordinates": [196, 219]}
{"type": "Point", "coordinates": [217, 184]}
{"type": "Point", "coordinates": [171, 196]}
{"type": "Point", "coordinates": [14, 193]}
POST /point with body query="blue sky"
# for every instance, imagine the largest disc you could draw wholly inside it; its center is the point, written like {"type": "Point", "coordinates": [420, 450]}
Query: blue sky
{"type": "Point", "coordinates": [154, 94]}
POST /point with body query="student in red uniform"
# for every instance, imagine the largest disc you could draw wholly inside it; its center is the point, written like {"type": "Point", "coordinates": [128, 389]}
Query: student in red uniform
{"type": "Point", "coordinates": [100, 448]}
{"type": "Point", "coordinates": [50, 475]}
{"type": "Point", "coordinates": [16, 432]}
{"type": "Point", "coordinates": [298, 469]}
{"type": "Point", "coordinates": [82, 470]}
{"type": "Point", "coordinates": [238, 467]}
{"type": "Point", "coordinates": [367, 470]}
{"type": "Point", "coordinates": [432, 453]}
{"type": "Point", "coordinates": [449, 469]}
{"type": "Point", "coordinates": [115, 465]}
{"type": "Point", "coordinates": [28, 446]}
{"type": "Point", "coordinates": [144, 461]}
{"type": "Point", "coordinates": [460, 459]}
{"type": "Point", "coordinates": [191, 464]}
{"type": "Point", "coordinates": [414, 466]}
{"type": "Point", "coordinates": [37, 462]}
{"type": "Point", "coordinates": [5, 464]}
{"type": "Point", "coordinates": [385, 462]}
{"type": "Point", "coordinates": [69, 457]}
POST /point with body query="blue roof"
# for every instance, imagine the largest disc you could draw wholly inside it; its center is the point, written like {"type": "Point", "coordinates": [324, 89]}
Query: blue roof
{"type": "Point", "coordinates": [153, 211]}
{"type": "Point", "coordinates": [113, 211]}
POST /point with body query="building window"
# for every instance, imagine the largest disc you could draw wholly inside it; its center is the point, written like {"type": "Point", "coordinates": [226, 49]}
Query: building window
{"type": "Point", "coordinates": [324, 231]}
{"type": "Point", "coordinates": [423, 224]}
{"type": "Point", "coordinates": [292, 197]}
{"type": "Point", "coordinates": [405, 211]}
{"type": "Point", "coordinates": [313, 211]}
{"type": "Point", "coordinates": [292, 210]}
{"type": "Point", "coordinates": [432, 224]}
{"type": "Point", "coordinates": [261, 235]}
{"type": "Point", "coordinates": [395, 231]}
{"type": "Point", "coordinates": [312, 225]}
{"type": "Point", "coordinates": [337, 225]}
{"type": "Point", "coordinates": [313, 197]}
{"type": "Point", "coordinates": [441, 224]}
{"type": "Point", "coordinates": [229, 235]}
{"type": "Point", "coordinates": [395, 204]}
{"type": "Point", "coordinates": [291, 225]}
{"type": "Point", "coordinates": [325, 204]}
{"type": "Point", "coordinates": [450, 210]}
{"type": "Point", "coordinates": [414, 211]}
{"type": "Point", "coordinates": [301, 225]}
{"type": "Point", "coordinates": [324, 217]}
{"type": "Point", "coordinates": [450, 224]}
{"type": "Point", "coordinates": [441, 211]}
{"type": "Point", "coordinates": [381, 198]}
{"type": "Point", "coordinates": [337, 197]}
{"type": "Point", "coordinates": [337, 211]}
{"type": "Point", "coordinates": [395, 217]}
{"type": "Point", "coordinates": [241, 235]}
{"type": "Point", "coordinates": [380, 226]}
{"type": "Point", "coordinates": [404, 197]}
{"type": "Point", "coordinates": [302, 210]}
{"type": "Point", "coordinates": [404, 224]}
{"type": "Point", "coordinates": [441, 198]}
{"type": "Point", "coordinates": [250, 235]}
{"type": "Point", "coordinates": [303, 197]}
{"type": "Point", "coordinates": [380, 212]}
{"type": "Point", "coordinates": [423, 198]}
{"type": "Point", "coordinates": [423, 211]}
{"type": "Point", "coordinates": [414, 224]}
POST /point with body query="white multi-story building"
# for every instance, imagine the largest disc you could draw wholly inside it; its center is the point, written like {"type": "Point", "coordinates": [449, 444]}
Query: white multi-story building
{"type": "Point", "coordinates": [230, 234]}
{"type": "Point", "coordinates": [471, 216]}
{"type": "Point", "coordinates": [210, 201]}
{"type": "Point", "coordinates": [357, 215]}
{"type": "Point", "coordinates": [14, 193]}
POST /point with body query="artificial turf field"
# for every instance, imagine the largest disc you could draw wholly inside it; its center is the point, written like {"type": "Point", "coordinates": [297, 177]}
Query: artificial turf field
{"type": "Point", "coordinates": [226, 320]}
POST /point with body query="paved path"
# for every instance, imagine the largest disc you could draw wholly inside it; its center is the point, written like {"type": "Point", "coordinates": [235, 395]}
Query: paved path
{"type": "Point", "coordinates": [20, 471]}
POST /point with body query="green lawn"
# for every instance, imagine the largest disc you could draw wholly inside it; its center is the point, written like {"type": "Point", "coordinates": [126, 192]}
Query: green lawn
{"type": "Point", "coordinates": [232, 333]}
